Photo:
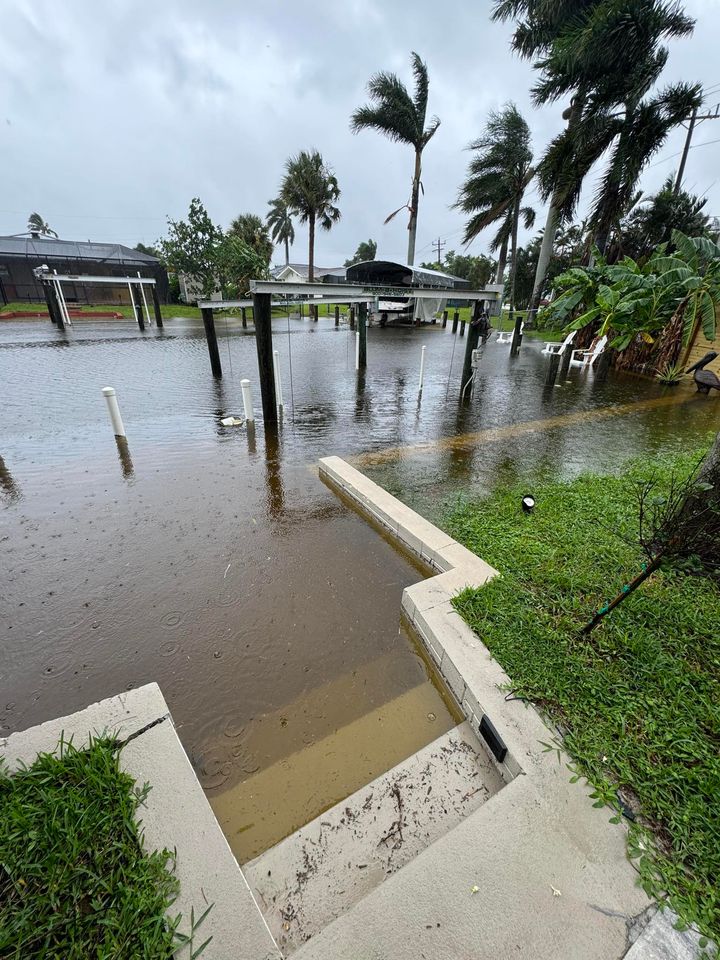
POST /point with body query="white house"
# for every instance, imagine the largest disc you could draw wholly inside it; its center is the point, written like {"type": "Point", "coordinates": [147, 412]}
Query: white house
{"type": "Point", "coordinates": [298, 273]}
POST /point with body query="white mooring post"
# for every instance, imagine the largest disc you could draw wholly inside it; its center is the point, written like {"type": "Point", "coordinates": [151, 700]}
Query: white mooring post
{"type": "Point", "coordinates": [357, 351]}
{"type": "Point", "coordinates": [247, 400]}
{"type": "Point", "coordinates": [114, 411]}
{"type": "Point", "coordinates": [278, 379]}
{"type": "Point", "coordinates": [422, 370]}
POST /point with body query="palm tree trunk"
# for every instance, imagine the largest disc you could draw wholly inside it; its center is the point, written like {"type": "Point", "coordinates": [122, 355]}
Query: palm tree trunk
{"type": "Point", "coordinates": [546, 249]}
{"type": "Point", "coordinates": [499, 277]}
{"type": "Point", "coordinates": [515, 346]}
{"type": "Point", "coordinates": [311, 258]}
{"type": "Point", "coordinates": [553, 219]}
{"type": "Point", "coordinates": [412, 225]}
{"type": "Point", "coordinates": [287, 252]}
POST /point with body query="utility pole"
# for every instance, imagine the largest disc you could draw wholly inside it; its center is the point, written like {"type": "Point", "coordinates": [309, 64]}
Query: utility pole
{"type": "Point", "coordinates": [439, 244]}
{"type": "Point", "coordinates": [694, 118]}
{"type": "Point", "coordinates": [686, 148]}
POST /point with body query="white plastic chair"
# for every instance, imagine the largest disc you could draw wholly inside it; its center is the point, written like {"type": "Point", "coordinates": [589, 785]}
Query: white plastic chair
{"type": "Point", "coordinates": [586, 358]}
{"type": "Point", "coordinates": [505, 336]}
{"type": "Point", "coordinates": [559, 348]}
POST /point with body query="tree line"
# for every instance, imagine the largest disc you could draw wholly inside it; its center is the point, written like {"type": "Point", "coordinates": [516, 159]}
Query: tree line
{"type": "Point", "coordinates": [604, 61]}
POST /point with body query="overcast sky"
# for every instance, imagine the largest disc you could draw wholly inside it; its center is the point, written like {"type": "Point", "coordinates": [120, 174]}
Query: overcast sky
{"type": "Point", "coordinates": [114, 115]}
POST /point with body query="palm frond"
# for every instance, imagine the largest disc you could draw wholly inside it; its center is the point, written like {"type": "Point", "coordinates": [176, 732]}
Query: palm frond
{"type": "Point", "coordinates": [422, 87]}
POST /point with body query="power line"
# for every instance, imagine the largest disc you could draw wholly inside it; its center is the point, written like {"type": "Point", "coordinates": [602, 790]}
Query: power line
{"type": "Point", "coordinates": [670, 156]}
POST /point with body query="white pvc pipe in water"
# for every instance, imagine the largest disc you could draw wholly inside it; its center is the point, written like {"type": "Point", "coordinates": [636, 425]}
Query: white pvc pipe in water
{"type": "Point", "coordinates": [357, 351]}
{"type": "Point", "coordinates": [278, 379]}
{"type": "Point", "coordinates": [422, 368]}
{"type": "Point", "coordinates": [247, 400]}
{"type": "Point", "coordinates": [114, 411]}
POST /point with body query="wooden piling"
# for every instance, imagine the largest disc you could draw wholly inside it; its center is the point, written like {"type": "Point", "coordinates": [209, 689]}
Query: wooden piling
{"type": "Point", "coordinates": [209, 323]}
{"type": "Point", "coordinates": [137, 309]}
{"type": "Point", "coordinates": [59, 312]}
{"type": "Point", "coordinates": [462, 328]}
{"type": "Point", "coordinates": [456, 320]}
{"type": "Point", "coordinates": [473, 338]}
{"type": "Point", "coordinates": [565, 362]}
{"type": "Point", "coordinates": [156, 306]}
{"type": "Point", "coordinates": [352, 317]}
{"type": "Point", "coordinates": [445, 316]}
{"type": "Point", "coordinates": [243, 314]}
{"type": "Point", "coordinates": [362, 330]}
{"type": "Point", "coordinates": [517, 336]}
{"type": "Point", "coordinates": [262, 313]}
{"type": "Point", "coordinates": [337, 315]}
{"type": "Point", "coordinates": [552, 370]}
{"type": "Point", "coordinates": [51, 303]}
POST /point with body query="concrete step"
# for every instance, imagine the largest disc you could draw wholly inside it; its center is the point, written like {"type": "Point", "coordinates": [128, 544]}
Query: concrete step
{"type": "Point", "coordinates": [267, 806]}
{"type": "Point", "coordinates": [322, 870]}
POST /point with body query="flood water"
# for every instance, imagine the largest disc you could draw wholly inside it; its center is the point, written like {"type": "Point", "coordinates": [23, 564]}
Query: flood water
{"type": "Point", "coordinates": [214, 561]}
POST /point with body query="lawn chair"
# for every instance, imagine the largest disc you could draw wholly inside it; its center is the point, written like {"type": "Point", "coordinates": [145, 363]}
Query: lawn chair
{"type": "Point", "coordinates": [558, 348]}
{"type": "Point", "coordinates": [586, 358]}
{"type": "Point", "coordinates": [505, 336]}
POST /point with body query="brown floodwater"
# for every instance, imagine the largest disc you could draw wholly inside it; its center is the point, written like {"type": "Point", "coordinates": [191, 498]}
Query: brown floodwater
{"type": "Point", "coordinates": [214, 561]}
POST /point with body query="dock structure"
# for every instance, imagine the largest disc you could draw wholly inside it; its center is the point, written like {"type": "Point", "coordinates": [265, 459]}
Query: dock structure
{"type": "Point", "coordinates": [263, 291]}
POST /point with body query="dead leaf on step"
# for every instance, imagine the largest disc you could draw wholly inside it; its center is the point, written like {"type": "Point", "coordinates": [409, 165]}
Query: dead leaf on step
{"type": "Point", "coordinates": [556, 892]}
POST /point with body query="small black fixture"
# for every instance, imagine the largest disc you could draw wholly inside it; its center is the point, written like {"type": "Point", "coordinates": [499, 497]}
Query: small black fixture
{"type": "Point", "coordinates": [528, 503]}
{"type": "Point", "coordinates": [493, 739]}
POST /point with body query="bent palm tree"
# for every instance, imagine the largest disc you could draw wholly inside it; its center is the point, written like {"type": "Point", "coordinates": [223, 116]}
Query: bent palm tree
{"type": "Point", "coordinates": [401, 118]}
{"type": "Point", "coordinates": [36, 224]}
{"type": "Point", "coordinates": [603, 55]}
{"type": "Point", "coordinates": [280, 225]}
{"type": "Point", "coordinates": [637, 136]}
{"type": "Point", "coordinates": [493, 191]}
{"type": "Point", "coordinates": [310, 191]}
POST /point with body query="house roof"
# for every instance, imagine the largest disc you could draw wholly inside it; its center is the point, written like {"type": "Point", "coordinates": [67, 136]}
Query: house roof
{"type": "Point", "coordinates": [49, 248]}
{"type": "Point", "coordinates": [301, 269]}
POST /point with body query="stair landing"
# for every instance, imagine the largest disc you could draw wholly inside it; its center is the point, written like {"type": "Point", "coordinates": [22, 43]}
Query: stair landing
{"type": "Point", "coordinates": [322, 870]}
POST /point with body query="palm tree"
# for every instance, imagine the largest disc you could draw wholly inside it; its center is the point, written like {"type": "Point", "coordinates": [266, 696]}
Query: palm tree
{"type": "Point", "coordinates": [603, 55]}
{"type": "Point", "coordinates": [252, 231]}
{"type": "Point", "coordinates": [36, 224]}
{"type": "Point", "coordinates": [401, 118]}
{"type": "Point", "coordinates": [280, 225]}
{"type": "Point", "coordinates": [310, 191]}
{"type": "Point", "coordinates": [637, 135]}
{"type": "Point", "coordinates": [493, 191]}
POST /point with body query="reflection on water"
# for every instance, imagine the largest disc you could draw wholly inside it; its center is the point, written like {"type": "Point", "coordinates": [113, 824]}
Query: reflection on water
{"type": "Point", "coordinates": [8, 488]}
{"type": "Point", "coordinates": [128, 471]}
{"type": "Point", "coordinates": [215, 562]}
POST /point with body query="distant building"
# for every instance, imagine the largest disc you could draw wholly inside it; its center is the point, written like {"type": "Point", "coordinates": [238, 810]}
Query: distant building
{"type": "Point", "coordinates": [298, 273]}
{"type": "Point", "coordinates": [19, 255]}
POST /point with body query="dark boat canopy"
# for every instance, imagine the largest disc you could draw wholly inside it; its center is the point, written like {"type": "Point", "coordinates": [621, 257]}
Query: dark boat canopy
{"type": "Point", "coordinates": [386, 272]}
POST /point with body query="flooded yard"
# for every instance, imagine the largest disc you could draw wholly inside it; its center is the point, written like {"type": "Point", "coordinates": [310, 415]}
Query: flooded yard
{"type": "Point", "coordinates": [214, 561]}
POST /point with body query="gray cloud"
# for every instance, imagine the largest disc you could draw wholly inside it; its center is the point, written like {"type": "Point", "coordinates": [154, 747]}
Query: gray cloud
{"type": "Point", "coordinates": [114, 116]}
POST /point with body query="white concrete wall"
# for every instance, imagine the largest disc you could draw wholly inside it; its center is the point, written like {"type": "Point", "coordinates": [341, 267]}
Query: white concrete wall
{"type": "Point", "coordinates": [176, 815]}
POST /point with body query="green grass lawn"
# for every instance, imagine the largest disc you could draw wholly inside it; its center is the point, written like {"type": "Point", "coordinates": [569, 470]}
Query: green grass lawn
{"type": "Point", "coordinates": [167, 309]}
{"type": "Point", "coordinates": [170, 310]}
{"type": "Point", "coordinates": [639, 698]}
{"type": "Point", "coordinates": [75, 880]}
